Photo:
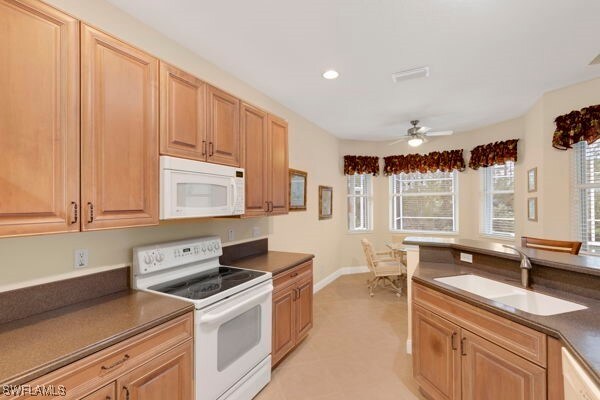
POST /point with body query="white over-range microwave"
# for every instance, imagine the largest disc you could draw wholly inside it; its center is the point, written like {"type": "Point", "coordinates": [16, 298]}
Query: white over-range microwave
{"type": "Point", "coordinates": [193, 189]}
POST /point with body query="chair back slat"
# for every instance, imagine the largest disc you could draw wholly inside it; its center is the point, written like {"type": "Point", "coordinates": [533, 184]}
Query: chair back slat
{"type": "Point", "coordinates": [551, 245]}
{"type": "Point", "coordinates": [369, 253]}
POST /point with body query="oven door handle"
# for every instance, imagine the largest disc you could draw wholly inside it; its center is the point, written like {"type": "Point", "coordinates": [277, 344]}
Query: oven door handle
{"type": "Point", "coordinates": [222, 316]}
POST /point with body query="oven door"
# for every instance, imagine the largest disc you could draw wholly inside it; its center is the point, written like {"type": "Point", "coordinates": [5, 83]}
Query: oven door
{"type": "Point", "coordinates": [193, 194]}
{"type": "Point", "coordinates": [232, 337]}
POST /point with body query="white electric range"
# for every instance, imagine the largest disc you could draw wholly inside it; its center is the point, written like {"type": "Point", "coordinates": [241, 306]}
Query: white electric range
{"type": "Point", "coordinates": [232, 321]}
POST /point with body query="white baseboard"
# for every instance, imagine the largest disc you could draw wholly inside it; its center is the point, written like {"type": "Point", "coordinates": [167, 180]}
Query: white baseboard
{"type": "Point", "coordinates": [408, 346]}
{"type": "Point", "coordinates": [339, 272]}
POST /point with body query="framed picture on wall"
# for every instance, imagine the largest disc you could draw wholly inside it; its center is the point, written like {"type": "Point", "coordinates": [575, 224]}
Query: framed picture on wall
{"type": "Point", "coordinates": [532, 211]}
{"type": "Point", "coordinates": [325, 202]}
{"type": "Point", "coordinates": [532, 180]}
{"type": "Point", "coordinates": [297, 190]}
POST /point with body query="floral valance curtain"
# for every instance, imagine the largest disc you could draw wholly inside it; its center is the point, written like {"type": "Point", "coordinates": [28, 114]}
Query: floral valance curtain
{"type": "Point", "coordinates": [497, 153]}
{"type": "Point", "coordinates": [444, 161]}
{"type": "Point", "coordinates": [576, 126]}
{"type": "Point", "coordinates": [361, 165]}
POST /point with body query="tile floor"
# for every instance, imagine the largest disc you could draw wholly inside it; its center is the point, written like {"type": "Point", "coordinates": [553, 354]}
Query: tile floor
{"type": "Point", "coordinates": [355, 351]}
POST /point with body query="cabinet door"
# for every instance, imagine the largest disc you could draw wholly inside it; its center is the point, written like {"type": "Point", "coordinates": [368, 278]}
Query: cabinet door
{"type": "Point", "coordinates": [108, 392]}
{"type": "Point", "coordinates": [39, 119]}
{"type": "Point", "coordinates": [279, 167]}
{"type": "Point", "coordinates": [304, 308]}
{"type": "Point", "coordinates": [284, 323]}
{"type": "Point", "coordinates": [223, 128]}
{"type": "Point", "coordinates": [182, 114]}
{"type": "Point", "coordinates": [436, 359]}
{"type": "Point", "coordinates": [119, 133]}
{"type": "Point", "coordinates": [493, 373]}
{"type": "Point", "coordinates": [169, 376]}
{"type": "Point", "coordinates": [254, 159]}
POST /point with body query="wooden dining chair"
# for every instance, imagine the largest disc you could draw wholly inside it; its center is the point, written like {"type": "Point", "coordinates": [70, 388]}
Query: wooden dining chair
{"type": "Point", "coordinates": [551, 245]}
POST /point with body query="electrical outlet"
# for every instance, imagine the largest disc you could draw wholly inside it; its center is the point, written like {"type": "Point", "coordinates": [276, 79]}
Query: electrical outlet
{"type": "Point", "coordinates": [81, 258]}
{"type": "Point", "coordinates": [256, 231]}
{"type": "Point", "coordinates": [230, 235]}
{"type": "Point", "coordinates": [466, 257]}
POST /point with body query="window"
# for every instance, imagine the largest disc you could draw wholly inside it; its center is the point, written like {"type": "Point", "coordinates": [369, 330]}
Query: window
{"type": "Point", "coordinates": [424, 202]}
{"type": "Point", "coordinates": [586, 196]}
{"type": "Point", "coordinates": [360, 209]}
{"type": "Point", "coordinates": [498, 213]}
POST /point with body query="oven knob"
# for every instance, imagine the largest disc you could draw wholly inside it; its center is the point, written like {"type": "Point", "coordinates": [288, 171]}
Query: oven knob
{"type": "Point", "coordinates": [148, 259]}
{"type": "Point", "coordinates": [210, 247]}
{"type": "Point", "coordinates": [160, 257]}
{"type": "Point", "coordinates": [204, 248]}
{"type": "Point", "coordinates": [217, 246]}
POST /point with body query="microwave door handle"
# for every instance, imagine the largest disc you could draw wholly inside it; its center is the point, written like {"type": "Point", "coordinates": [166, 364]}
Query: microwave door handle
{"type": "Point", "coordinates": [222, 316]}
{"type": "Point", "coordinates": [235, 195]}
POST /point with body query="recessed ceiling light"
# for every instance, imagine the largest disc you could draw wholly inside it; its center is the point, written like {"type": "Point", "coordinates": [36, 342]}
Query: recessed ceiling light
{"type": "Point", "coordinates": [331, 74]}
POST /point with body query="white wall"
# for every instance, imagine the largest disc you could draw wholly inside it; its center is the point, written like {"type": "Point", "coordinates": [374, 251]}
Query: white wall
{"type": "Point", "coordinates": [50, 255]}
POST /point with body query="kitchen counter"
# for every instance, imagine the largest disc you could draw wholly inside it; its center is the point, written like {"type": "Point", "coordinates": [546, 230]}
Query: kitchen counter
{"type": "Point", "coordinates": [584, 264]}
{"type": "Point", "coordinates": [274, 262]}
{"type": "Point", "coordinates": [33, 346]}
{"type": "Point", "coordinates": [579, 331]}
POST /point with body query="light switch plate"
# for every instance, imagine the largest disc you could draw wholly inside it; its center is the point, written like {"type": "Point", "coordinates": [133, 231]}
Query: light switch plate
{"type": "Point", "coordinates": [466, 257]}
{"type": "Point", "coordinates": [230, 235]}
{"type": "Point", "coordinates": [81, 258]}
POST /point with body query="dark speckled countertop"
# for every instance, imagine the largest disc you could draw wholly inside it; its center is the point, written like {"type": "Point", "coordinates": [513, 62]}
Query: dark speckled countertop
{"type": "Point", "coordinates": [274, 262]}
{"type": "Point", "coordinates": [579, 331]}
{"type": "Point", "coordinates": [33, 346]}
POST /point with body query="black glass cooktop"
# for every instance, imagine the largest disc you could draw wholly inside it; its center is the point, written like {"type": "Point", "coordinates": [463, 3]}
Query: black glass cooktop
{"type": "Point", "coordinates": [208, 283]}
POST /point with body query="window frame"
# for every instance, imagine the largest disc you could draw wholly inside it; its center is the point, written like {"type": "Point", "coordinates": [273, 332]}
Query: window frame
{"type": "Point", "coordinates": [487, 196]}
{"type": "Point", "coordinates": [455, 208]}
{"type": "Point", "coordinates": [368, 198]}
{"type": "Point", "coordinates": [578, 200]}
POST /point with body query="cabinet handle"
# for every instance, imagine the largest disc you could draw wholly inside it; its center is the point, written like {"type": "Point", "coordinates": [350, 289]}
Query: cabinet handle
{"type": "Point", "coordinates": [204, 147]}
{"type": "Point", "coordinates": [267, 205]}
{"type": "Point", "coordinates": [116, 363]}
{"type": "Point", "coordinates": [463, 347]}
{"type": "Point", "coordinates": [294, 274]}
{"type": "Point", "coordinates": [91, 213]}
{"type": "Point", "coordinates": [126, 392]}
{"type": "Point", "coordinates": [270, 206]}
{"type": "Point", "coordinates": [75, 213]}
{"type": "Point", "coordinates": [454, 346]}
{"type": "Point", "coordinates": [212, 149]}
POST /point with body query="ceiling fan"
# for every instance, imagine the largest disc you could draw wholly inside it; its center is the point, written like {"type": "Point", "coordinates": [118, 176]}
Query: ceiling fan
{"type": "Point", "coordinates": [417, 135]}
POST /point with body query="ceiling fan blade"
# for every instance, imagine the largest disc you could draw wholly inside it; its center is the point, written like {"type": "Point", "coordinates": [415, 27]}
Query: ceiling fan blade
{"type": "Point", "coordinates": [440, 133]}
{"type": "Point", "coordinates": [423, 129]}
{"type": "Point", "coordinates": [402, 139]}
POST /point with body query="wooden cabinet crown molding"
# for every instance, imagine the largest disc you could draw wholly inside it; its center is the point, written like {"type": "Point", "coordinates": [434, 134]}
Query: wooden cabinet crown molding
{"type": "Point", "coordinates": [39, 119]}
{"type": "Point", "coordinates": [119, 125]}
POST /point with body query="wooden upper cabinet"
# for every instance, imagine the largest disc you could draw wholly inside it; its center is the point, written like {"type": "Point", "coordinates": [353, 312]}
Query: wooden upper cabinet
{"type": "Point", "coordinates": [436, 355]}
{"type": "Point", "coordinates": [493, 373]}
{"type": "Point", "coordinates": [279, 165]}
{"type": "Point", "coordinates": [182, 114]}
{"type": "Point", "coordinates": [39, 119]}
{"type": "Point", "coordinates": [254, 161]}
{"type": "Point", "coordinates": [224, 145]}
{"type": "Point", "coordinates": [119, 123]}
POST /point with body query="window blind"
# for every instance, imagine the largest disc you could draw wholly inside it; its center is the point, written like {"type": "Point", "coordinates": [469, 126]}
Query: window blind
{"type": "Point", "coordinates": [424, 202]}
{"type": "Point", "coordinates": [498, 213]}
{"type": "Point", "coordinates": [586, 196]}
{"type": "Point", "coordinates": [360, 208]}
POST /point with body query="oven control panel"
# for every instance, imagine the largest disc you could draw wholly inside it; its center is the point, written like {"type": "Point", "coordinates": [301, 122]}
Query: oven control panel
{"type": "Point", "coordinates": [158, 257]}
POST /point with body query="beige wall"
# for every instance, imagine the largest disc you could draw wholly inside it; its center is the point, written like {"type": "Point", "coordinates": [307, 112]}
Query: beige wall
{"type": "Point", "coordinates": [50, 255]}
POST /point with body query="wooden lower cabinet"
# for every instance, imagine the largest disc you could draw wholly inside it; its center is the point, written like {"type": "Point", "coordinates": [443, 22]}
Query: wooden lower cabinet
{"type": "Point", "coordinates": [436, 359]}
{"type": "Point", "coordinates": [493, 373]}
{"type": "Point", "coordinates": [156, 364]}
{"type": "Point", "coordinates": [169, 376]}
{"type": "Point", "coordinates": [292, 309]}
{"type": "Point", "coordinates": [451, 362]}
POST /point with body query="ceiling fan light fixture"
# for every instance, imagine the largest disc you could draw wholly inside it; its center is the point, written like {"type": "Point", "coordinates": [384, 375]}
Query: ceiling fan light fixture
{"type": "Point", "coordinates": [415, 142]}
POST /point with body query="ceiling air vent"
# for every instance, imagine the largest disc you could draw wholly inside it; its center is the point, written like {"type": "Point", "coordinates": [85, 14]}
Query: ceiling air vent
{"type": "Point", "coordinates": [596, 60]}
{"type": "Point", "coordinates": [421, 72]}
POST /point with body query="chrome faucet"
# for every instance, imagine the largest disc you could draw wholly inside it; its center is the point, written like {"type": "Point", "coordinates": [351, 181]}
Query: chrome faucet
{"type": "Point", "coordinates": [525, 266]}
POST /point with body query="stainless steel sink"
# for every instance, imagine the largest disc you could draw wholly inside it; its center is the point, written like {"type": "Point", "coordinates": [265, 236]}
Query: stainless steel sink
{"type": "Point", "coordinates": [516, 297]}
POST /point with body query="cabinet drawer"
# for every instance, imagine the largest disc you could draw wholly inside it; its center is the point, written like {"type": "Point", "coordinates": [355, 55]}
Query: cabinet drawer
{"type": "Point", "coordinates": [291, 276]}
{"type": "Point", "coordinates": [519, 339]}
{"type": "Point", "coordinates": [88, 374]}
